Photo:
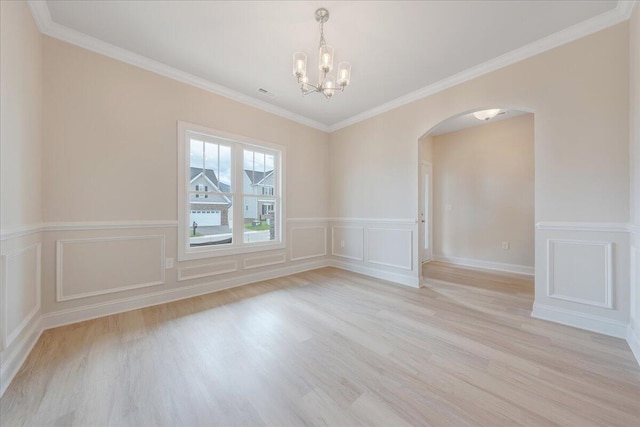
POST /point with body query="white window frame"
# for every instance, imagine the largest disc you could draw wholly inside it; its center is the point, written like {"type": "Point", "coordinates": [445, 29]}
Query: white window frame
{"type": "Point", "coordinates": [238, 143]}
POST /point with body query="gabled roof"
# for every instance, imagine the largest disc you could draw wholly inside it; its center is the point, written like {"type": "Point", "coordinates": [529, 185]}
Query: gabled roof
{"type": "Point", "coordinates": [211, 176]}
{"type": "Point", "coordinates": [257, 177]}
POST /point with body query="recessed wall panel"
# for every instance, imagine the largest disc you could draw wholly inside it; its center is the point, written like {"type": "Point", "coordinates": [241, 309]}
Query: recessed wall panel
{"type": "Point", "coordinates": [581, 272]}
{"type": "Point", "coordinates": [96, 266]}
{"type": "Point", "coordinates": [348, 242]}
{"type": "Point", "coordinates": [308, 242]}
{"type": "Point", "coordinates": [390, 247]}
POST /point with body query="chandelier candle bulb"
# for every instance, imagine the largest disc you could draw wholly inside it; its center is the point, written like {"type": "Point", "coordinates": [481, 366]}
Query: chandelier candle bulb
{"type": "Point", "coordinates": [326, 58]}
{"type": "Point", "coordinates": [344, 74]}
{"type": "Point", "coordinates": [299, 64]}
{"type": "Point", "coordinates": [329, 87]}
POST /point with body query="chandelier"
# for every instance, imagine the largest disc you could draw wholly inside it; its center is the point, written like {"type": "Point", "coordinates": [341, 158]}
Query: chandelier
{"type": "Point", "coordinates": [327, 83]}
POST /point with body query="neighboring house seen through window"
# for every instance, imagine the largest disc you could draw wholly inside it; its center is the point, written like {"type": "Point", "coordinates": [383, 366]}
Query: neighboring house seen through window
{"type": "Point", "coordinates": [218, 172]}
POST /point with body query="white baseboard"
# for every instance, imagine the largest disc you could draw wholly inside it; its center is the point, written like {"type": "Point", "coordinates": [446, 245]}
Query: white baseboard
{"type": "Point", "coordinates": [486, 265]}
{"type": "Point", "coordinates": [403, 279]}
{"type": "Point", "coordinates": [94, 311]}
{"type": "Point", "coordinates": [634, 342]}
{"type": "Point", "coordinates": [13, 357]}
{"type": "Point", "coordinates": [589, 322]}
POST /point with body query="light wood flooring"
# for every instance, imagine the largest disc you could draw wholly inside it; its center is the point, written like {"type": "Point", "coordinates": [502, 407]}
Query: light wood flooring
{"type": "Point", "coordinates": [329, 347]}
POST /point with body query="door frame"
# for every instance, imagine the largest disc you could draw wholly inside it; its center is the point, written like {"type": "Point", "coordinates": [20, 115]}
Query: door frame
{"type": "Point", "coordinates": [424, 167]}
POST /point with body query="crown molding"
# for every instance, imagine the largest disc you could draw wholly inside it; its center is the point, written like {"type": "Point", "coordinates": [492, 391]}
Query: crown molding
{"type": "Point", "coordinates": [621, 13]}
{"type": "Point", "coordinates": [47, 26]}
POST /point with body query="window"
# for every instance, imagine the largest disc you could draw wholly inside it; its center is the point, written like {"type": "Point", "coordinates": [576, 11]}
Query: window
{"type": "Point", "coordinates": [218, 171]}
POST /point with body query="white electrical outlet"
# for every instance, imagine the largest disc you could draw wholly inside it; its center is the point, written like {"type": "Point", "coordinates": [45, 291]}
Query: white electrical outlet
{"type": "Point", "coordinates": [505, 245]}
{"type": "Point", "coordinates": [168, 263]}
{"type": "Point", "coordinates": [342, 244]}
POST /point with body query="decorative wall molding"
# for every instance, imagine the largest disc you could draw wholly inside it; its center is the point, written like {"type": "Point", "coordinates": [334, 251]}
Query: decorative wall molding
{"type": "Point", "coordinates": [397, 221]}
{"type": "Point", "coordinates": [360, 242]}
{"type": "Point", "coordinates": [207, 270]}
{"type": "Point", "coordinates": [589, 322]}
{"type": "Point", "coordinates": [60, 294]}
{"type": "Point", "coordinates": [264, 261]}
{"type": "Point", "coordinates": [610, 18]}
{"type": "Point", "coordinates": [634, 228]}
{"type": "Point", "coordinates": [20, 231]}
{"type": "Point", "coordinates": [408, 265]}
{"type": "Point", "coordinates": [8, 336]}
{"type": "Point", "coordinates": [292, 239]}
{"type": "Point", "coordinates": [307, 220]}
{"type": "Point", "coordinates": [93, 311]}
{"type": "Point", "coordinates": [608, 272]}
{"type": "Point", "coordinates": [486, 265]}
{"type": "Point", "coordinates": [108, 225]}
{"type": "Point", "coordinates": [609, 227]}
{"type": "Point", "coordinates": [47, 26]}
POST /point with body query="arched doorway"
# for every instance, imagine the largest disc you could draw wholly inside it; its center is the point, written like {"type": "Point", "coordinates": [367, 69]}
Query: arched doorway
{"type": "Point", "coordinates": [476, 191]}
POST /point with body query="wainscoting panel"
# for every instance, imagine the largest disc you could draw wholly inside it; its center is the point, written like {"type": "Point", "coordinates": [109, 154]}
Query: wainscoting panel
{"type": "Point", "coordinates": [264, 260]}
{"type": "Point", "coordinates": [307, 242]}
{"type": "Point", "coordinates": [103, 265]}
{"type": "Point", "coordinates": [390, 247]}
{"type": "Point", "coordinates": [20, 290]}
{"type": "Point", "coordinates": [580, 271]}
{"type": "Point", "coordinates": [347, 242]}
{"type": "Point", "coordinates": [207, 270]}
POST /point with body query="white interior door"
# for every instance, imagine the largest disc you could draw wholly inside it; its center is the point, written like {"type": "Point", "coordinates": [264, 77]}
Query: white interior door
{"type": "Point", "coordinates": [426, 222]}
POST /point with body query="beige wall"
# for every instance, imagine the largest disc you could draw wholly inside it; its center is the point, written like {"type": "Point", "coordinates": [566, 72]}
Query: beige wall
{"type": "Point", "coordinates": [20, 185]}
{"type": "Point", "coordinates": [20, 122]}
{"type": "Point", "coordinates": [579, 93]}
{"type": "Point", "coordinates": [634, 115]}
{"type": "Point", "coordinates": [426, 149]}
{"type": "Point", "coordinates": [110, 147]}
{"type": "Point", "coordinates": [485, 175]}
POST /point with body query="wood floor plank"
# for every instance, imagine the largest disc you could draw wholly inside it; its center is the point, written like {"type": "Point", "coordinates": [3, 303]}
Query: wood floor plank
{"type": "Point", "coordinates": [330, 347]}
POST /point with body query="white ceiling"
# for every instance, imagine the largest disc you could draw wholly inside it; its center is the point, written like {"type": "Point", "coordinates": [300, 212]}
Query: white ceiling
{"type": "Point", "coordinates": [396, 48]}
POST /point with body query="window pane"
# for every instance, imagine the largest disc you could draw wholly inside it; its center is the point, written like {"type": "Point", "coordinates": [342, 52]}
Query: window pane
{"type": "Point", "coordinates": [196, 154]}
{"type": "Point", "coordinates": [260, 223]}
{"type": "Point", "coordinates": [258, 173]}
{"type": "Point", "coordinates": [225, 169]}
{"type": "Point", "coordinates": [211, 159]}
{"type": "Point", "coordinates": [210, 220]}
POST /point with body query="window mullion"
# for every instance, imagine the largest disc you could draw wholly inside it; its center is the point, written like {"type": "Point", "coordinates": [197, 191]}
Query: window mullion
{"type": "Point", "coordinates": [238, 199]}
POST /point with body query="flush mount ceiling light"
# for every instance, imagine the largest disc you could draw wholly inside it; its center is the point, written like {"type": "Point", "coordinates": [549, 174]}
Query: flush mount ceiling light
{"type": "Point", "coordinates": [486, 114]}
{"type": "Point", "coordinates": [327, 84]}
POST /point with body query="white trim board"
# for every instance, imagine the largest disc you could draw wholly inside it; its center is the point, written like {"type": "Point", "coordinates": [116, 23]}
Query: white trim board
{"type": "Point", "coordinates": [47, 26]}
{"type": "Point", "coordinates": [396, 278]}
{"type": "Point", "coordinates": [9, 336]}
{"type": "Point", "coordinates": [14, 358]}
{"type": "Point", "coordinates": [609, 227]}
{"type": "Point", "coordinates": [634, 343]}
{"type": "Point", "coordinates": [486, 265]}
{"type": "Point", "coordinates": [601, 325]}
